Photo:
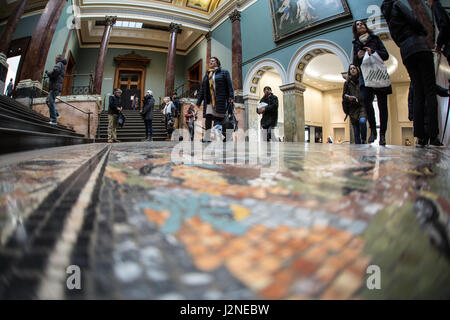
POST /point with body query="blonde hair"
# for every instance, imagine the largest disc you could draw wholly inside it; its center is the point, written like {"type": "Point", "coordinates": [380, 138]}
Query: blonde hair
{"type": "Point", "coordinates": [166, 99]}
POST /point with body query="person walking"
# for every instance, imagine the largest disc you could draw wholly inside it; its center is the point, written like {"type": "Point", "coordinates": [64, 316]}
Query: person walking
{"type": "Point", "coordinates": [10, 89]}
{"type": "Point", "coordinates": [113, 114]}
{"type": "Point", "coordinates": [56, 77]}
{"type": "Point", "coordinates": [216, 93]}
{"type": "Point", "coordinates": [353, 104]}
{"type": "Point", "coordinates": [177, 104]}
{"type": "Point", "coordinates": [169, 116]}
{"type": "Point", "coordinates": [443, 24]}
{"type": "Point", "coordinates": [147, 115]}
{"type": "Point", "coordinates": [269, 113]}
{"type": "Point", "coordinates": [364, 40]}
{"type": "Point", "coordinates": [408, 33]}
{"type": "Point", "coordinates": [191, 117]}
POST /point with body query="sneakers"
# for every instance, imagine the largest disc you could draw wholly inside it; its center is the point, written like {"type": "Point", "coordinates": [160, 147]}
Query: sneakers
{"type": "Point", "coordinates": [204, 141]}
{"type": "Point", "coordinates": [116, 140]}
{"type": "Point", "coordinates": [110, 141]}
{"type": "Point", "coordinates": [54, 123]}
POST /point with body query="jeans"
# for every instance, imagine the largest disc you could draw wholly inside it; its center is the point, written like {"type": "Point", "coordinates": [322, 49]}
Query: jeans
{"type": "Point", "coordinates": [51, 105]}
{"type": "Point", "coordinates": [360, 130]}
{"type": "Point", "coordinates": [420, 67]}
{"type": "Point", "coordinates": [148, 128]}
{"type": "Point", "coordinates": [368, 96]}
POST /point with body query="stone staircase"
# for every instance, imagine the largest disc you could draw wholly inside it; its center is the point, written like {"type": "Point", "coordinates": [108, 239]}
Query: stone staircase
{"type": "Point", "coordinates": [23, 129]}
{"type": "Point", "coordinates": [134, 128]}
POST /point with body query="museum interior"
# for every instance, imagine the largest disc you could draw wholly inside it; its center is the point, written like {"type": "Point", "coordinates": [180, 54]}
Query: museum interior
{"type": "Point", "coordinates": [92, 209]}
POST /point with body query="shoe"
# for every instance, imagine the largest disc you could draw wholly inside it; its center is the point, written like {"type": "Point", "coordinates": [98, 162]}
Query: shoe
{"type": "Point", "coordinates": [116, 140]}
{"type": "Point", "coordinates": [435, 142]}
{"type": "Point", "coordinates": [54, 123]}
{"type": "Point", "coordinates": [382, 140]}
{"type": "Point", "coordinates": [110, 141]}
{"type": "Point", "coordinates": [422, 142]}
{"type": "Point", "coordinates": [144, 140]}
{"type": "Point", "coordinates": [373, 136]}
{"type": "Point", "coordinates": [204, 141]}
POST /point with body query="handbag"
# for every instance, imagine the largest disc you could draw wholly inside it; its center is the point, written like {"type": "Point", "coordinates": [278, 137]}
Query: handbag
{"type": "Point", "coordinates": [230, 122]}
{"type": "Point", "coordinates": [374, 71]}
{"type": "Point", "coordinates": [121, 120]}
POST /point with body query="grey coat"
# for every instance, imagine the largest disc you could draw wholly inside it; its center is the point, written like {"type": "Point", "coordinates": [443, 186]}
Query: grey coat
{"type": "Point", "coordinates": [147, 110]}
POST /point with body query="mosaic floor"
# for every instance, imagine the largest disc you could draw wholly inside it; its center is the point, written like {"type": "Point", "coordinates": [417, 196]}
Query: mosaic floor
{"type": "Point", "coordinates": [293, 222]}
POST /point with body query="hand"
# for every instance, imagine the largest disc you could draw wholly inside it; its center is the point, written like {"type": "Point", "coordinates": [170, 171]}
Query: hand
{"type": "Point", "coordinates": [437, 49]}
{"type": "Point", "coordinates": [230, 100]}
{"type": "Point", "coordinates": [361, 54]}
{"type": "Point", "coordinates": [368, 50]}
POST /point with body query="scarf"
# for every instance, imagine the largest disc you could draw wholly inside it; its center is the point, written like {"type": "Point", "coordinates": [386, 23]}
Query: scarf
{"type": "Point", "coordinates": [363, 38]}
{"type": "Point", "coordinates": [212, 86]}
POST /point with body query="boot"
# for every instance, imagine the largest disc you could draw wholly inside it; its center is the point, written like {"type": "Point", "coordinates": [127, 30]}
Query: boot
{"type": "Point", "coordinates": [422, 142]}
{"type": "Point", "coordinates": [373, 136]}
{"type": "Point", "coordinates": [382, 140]}
{"type": "Point", "coordinates": [435, 142]}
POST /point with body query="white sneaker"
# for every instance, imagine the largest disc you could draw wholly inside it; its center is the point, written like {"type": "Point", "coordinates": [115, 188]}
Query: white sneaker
{"type": "Point", "coordinates": [54, 123]}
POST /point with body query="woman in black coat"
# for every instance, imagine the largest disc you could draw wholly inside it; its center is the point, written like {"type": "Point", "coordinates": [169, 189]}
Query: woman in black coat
{"type": "Point", "coordinates": [408, 33]}
{"type": "Point", "coordinates": [365, 41]}
{"type": "Point", "coordinates": [216, 92]}
{"type": "Point", "coordinates": [147, 115]}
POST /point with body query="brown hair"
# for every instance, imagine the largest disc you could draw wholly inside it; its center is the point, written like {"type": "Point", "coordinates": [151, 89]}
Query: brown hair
{"type": "Point", "coordinates": [355, 32]}
{"type": "Point", "coordinates": [217, 60]}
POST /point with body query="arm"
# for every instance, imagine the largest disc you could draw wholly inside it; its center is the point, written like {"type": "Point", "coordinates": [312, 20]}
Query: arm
{"type": "Point", "coordinates": [229, 85]}
{"type": "Point", "coordinates": [381, 50]}
{"type": "Point", "coordinates": [442, 22]}
{"type": "Point", "coordinates": [356, 48]}
{"type": "Point", "coordinates": [111, 105]}
{"type": "Point", "coordinates": [201, 95]}
{"type": "Point", "coordinates": [274, 105]}
{"type": "Point", "coordinates": [55, 72]}
{"type": "Point", "coordinates": [442, 92]}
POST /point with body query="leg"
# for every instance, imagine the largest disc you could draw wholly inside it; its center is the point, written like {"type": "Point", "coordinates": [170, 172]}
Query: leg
{"type": "Point", "coordinates": [110, 127]}
{"type": "Point", "coordinates": [150, 125]}
{"type": "Point", "coordinates": [146, 129]}
{"type": "Point", "coordinates": [419, 97]}
{"type": "Point", "coordinates": [356, 132]}
{"type": "Point", "coordinates": [384, 114]}
{"type": "Point", "coordinates": [208, 126]}
{"type": "Point", "coordinates": [114, 127]}
{"type": "Point", "coordinates": [429, 85]}
{"type": "Point", "coordinates": [363, 129]}
{"type": "Point", "coordinates": [51, 106]}
{"type": "Point", "coordinates": [368, 96]}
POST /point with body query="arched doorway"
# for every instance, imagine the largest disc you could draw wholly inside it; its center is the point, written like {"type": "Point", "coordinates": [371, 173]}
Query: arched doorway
{"type": "Point", "coordinates": [264, 73]}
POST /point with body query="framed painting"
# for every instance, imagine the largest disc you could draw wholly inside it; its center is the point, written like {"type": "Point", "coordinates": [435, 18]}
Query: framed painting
{"type": "Point", "coordinates": [293, 16]}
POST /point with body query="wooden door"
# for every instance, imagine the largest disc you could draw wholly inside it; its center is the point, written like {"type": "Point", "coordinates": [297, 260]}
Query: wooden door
{"type": "Point", "coordinates": [68, 79]}
{"type": "Point", "coordinates": [130, 84]}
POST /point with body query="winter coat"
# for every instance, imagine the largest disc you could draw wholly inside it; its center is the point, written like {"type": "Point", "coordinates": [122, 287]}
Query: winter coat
{"type": "Point", "coordinates": [56, 76]}
{"type": "Point", "coordinates": [443, 24]}
{"type": "Point", "coordinates": [224, 91]}
{"type": "Point", "coordinates": [374, 43]}
{"type": "Point", "coordinates": [270, 115]}
{"type": "Point", "coordinates": [406, 30]}
{"type": "Point", "coordinates": [177, 105]}
{"type": "Point", "coordinates": [147, 110]}
{"type": "Point", "coordinates": [114, 103]}
{"type": "Point", "coordinates": [9, 89]}
{"type": "Point", "coordinates": [355, 109]}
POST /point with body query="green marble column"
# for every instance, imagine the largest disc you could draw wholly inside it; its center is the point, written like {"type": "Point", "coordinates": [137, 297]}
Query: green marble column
{"type": "Point", "coordinates": [294, 112]}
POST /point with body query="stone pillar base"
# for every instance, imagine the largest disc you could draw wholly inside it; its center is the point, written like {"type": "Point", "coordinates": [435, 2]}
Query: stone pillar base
{"type": "Point", "coordinates": [3, 72]}
{"type": "Point", "coordinates": [294, 112]}
{"type": "Point", "coordinates": [238, 96]}
{"type": "Point", "coordinates": [27, 90]}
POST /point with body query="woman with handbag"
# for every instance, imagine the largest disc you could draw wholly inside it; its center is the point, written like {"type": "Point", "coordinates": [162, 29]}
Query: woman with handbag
{"type": "Point", "coordinates": [216, 92]}
{"type": "Point", "coordinates": [365, 41]}
{"type": "Point", "coordinates": [353, 104]}
{"type": "Point", "coordinates": [191, 117]}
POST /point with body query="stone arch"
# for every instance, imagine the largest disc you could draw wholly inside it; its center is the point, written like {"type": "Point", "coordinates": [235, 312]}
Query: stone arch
{"type": "Point", "coordinates": [256, 72]}
{"type": "Point", "coordinates": [305, 54]}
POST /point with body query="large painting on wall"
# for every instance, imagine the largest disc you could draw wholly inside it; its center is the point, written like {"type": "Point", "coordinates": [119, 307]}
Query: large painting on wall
{"type": "Point", "coordinates": [292, 16]}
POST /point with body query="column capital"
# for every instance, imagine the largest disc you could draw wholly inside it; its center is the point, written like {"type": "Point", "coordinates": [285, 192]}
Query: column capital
{"type": "Point", "coordinates": [293, 88]}
{"type": "Point", "coordinates": [235, 15]}
{"type": "Point", "coordinates": [175, 27]}
{"type": "Point", "coordinates": [208, 36]}
{"type": "Point", "coordinates": [110, 20]}
{"type": "Point", "coordinates": [251, 98]}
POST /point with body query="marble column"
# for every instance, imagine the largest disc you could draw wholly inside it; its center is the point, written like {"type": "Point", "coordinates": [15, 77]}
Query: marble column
{"type": "Point", "coordinates": [208, 48]}
{"type": "Point", "coordinates": [33, 67]}
{"type": "Point", "coordinates": [251, 102]}
{"type": "Point", "coordinates": [235, 18]}
{"type": "Point", "coordinates": [294, 112]}
{"type": "Point", "coordinates": [174, 30]}
{"type": "Point", "coordinates": [103, 50]}
{"type": "Point", "coordinates": [5, 40]}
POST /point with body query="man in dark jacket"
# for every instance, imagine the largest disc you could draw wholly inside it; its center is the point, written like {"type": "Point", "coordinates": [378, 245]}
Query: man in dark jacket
{"type": "Point", "coordinates": [177, 104]}
{"type": "Point", "coordinates": [147, 115]}
{"type": "Point", "coordinates": [216, 92]}
{"type": "Point", "coordinates": [114, 109]}
{"type": "Point", "coordinates": [443, 24]}
{"type": "Point", "coordinates": [56, 77]}
{"type": "Point", "coordinates": [10, 88]}
{"type": "Point", "coordinates": [408, 33]}
{"type": "Point", "coordinates": [270, 112]}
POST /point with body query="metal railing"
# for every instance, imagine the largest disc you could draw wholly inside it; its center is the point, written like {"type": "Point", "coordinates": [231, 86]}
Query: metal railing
{"type": "Point", "coordinates": [189, 89]}
{"type": "Point", "coordinates": [89, 113]}
{"type": "Point", "coordinates": [84, 86]}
